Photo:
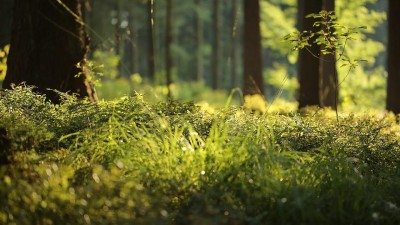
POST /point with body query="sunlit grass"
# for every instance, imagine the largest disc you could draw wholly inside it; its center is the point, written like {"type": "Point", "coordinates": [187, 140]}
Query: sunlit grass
{"type": "Point", "coordinates": [130, 162]}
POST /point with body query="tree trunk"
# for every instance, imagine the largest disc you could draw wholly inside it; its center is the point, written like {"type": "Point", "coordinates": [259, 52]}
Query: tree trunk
{"type": "Point", "coordinates": [199, 41]}
{"type": "Point", "coordinates": [131, 43]}
{"type": "Point", "coordinates": [253, 78]}
{"type": "Point", "coordinates": [393, 67]}
{"type": "Point", "coordinates": [168, 53]}
{"type": "Point", "coordinates": [5, 22]}
{"type": "Point", "coordinates": [217, 45]}
{"type": "Point", "coordinates": [235, 43]}
{"type": "Point", "coordinates": [47, 43]}
{"type": "Point", "coordinates": [308, 64]}
{"type": "Point", "coordinates": [328, 88]}
{"type": "Point", "coordinates": [151, 65]}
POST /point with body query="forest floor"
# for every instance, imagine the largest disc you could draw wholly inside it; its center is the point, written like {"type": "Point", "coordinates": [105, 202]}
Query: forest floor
{"type": "Point", "coordinates": [131, 162]}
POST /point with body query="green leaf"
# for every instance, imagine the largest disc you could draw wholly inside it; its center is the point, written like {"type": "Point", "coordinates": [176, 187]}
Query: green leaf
{"type": "Point", "coordinates": [310, 15]}
{"type": "Point", "coordinates": [286, 37]}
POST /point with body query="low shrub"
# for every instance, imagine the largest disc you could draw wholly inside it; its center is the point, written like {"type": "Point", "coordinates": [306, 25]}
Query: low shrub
{"type": "Point", "coordinates": [130, 162]}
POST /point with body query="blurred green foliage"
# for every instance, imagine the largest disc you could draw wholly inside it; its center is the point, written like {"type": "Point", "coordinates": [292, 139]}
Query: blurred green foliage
{"type": "Point", "coordinates": [130, 162]}
{"type": "Point", "coordinates": [3, 61]}
{"type": "Point", "coordinates": [107, 62]}
{"type": "Point", "coordinates": [185, 91]}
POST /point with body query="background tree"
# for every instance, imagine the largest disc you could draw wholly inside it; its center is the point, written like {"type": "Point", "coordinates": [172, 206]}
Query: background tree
{"type": "Point", "coordinates": [151, 12]}
{"type": "Point", "coordinates": [47, 43]}
{"type": "Point", "coordinates": [365, 86]}
{"type": "Point", "coordinates": [217, 50]}
{"type": "Point", "coordinates": [199, 41]}
{"type": "Point", "coordinates": [253, 79]}
{"type": "Point", "coordinates": [131, 41]}
{"type": "Point", "coordinates": [393, 66]}
{"type": "Point", "coordinates": [117, 21]}
{"type": "Point", "coordinates": [5, 34]}
{"type": "Point", "coordinates": [168, 44]}
{"type": "Point", "coordinates": [308, 63]}
{"type": "Point", "coordinates": [5, 22]}
{"type": "Point", "coordinates": [235, 43]}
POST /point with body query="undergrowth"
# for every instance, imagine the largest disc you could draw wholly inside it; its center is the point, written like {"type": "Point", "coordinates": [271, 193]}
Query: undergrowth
{"type": "Point", "coordinates": [130, 162]}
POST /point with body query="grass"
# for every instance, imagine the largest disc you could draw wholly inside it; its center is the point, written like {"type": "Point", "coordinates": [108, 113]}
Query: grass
{"type": "Point", "coordinates": [130, 162]}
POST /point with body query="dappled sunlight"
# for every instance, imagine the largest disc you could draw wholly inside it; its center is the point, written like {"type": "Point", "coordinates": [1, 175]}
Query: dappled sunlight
{"type": "Point", "coordinates": [128, 161]}
{"type": "Point", "coordinates": [199, 112]}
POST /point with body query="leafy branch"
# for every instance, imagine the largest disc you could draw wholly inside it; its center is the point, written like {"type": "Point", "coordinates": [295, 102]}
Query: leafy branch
{"type": "Point", "coordinates": [93, 75]}
{"type": "Point", "coordinates": [332, 38]}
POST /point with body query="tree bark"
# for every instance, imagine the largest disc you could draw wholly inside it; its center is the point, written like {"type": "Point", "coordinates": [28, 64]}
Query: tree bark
{"type": "Point", "coordinates": [253, 78]}
{"type": "Point", "coordinates": [5, 22]}
{"type": "Point", "coordinates": [308, 64]}
{"type": "Point", "coordinates": [47, 43]}
{"type": "Point", "coordinates": [217, 45]}
{"type": "Point", "coordinates": [328, 86]}
{"type": "Point", "coordinates": [393, 66]}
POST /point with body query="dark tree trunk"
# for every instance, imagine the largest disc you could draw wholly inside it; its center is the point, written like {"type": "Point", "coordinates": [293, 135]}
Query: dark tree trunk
{"type": "Point", "coordinates": [327, 71]}
{"type": "Point", "coordinates": [199, 41]}
{"type": "Point", "coordinates": [216, 45]}
{"type": "Point", "coordinates": [393, 82]}
{"type": "Point", "coordinates": [253, 78]}
{"type": "Point", "coordinates": [47, 43]}
{"type": "Point", "coordinates": [151, 65]}
{"type": "Point", "coordinates": [308, 64]}
{"type": "Point", "coordinates": [5, 22]}
{"type": "Point", "coordinates": [168, 53]}
{"type": "Point", "coordinates": [5, 144]}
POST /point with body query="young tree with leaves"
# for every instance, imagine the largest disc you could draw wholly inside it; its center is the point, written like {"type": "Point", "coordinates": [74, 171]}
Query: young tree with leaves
{"type": "Point", "coordinates": [317, 60]}
{"type": "Point", "coordinates": [308, 63]}
{"type": "Point", "coordinates": [47, 43]}
{"type": "Point", "coordinates": [328, 81]}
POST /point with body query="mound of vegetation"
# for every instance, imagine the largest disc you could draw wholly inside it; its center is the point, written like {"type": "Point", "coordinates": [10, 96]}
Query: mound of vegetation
{"type": "Point", "coordinates": [129, 162]}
